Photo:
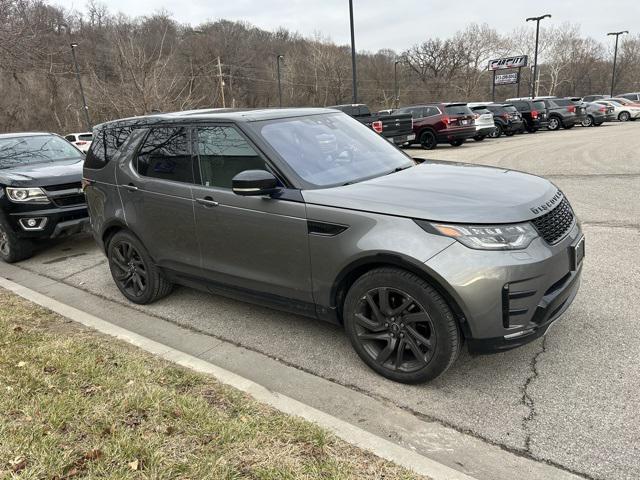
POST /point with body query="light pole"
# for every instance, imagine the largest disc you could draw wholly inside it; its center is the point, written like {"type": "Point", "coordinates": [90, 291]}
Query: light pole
{"type": "Point", "coordinates": [75, 63]}
{"type": "Point", "coordinates": [354, 98]}
{"type": "Point", "coordinates": [535, 55]}
{"type": "Point", "coordinates": [615, 58]}
{"type": "Point", "coordinates": [396, 91]}
{"type": "Point", "coordinates": [278, 57]}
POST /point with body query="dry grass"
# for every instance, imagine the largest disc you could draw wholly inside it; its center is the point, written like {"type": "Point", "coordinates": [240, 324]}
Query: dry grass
{"type": "Point", "coordinates": [75, 404]}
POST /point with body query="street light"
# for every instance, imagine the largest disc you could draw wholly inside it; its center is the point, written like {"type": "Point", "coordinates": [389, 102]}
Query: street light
{"type": "Point", "coordinates": [396, 91]}
{"type": "Point", "coordinates": [353, 55]}
{"type": "Point", "coordinates": [615, 57]}
{"type": "Point", "coordinates": [278, 57]}
{"type": "Point", "coordinates": [535, 56]}
{"type": "Point", "coordinates": [75, 62]}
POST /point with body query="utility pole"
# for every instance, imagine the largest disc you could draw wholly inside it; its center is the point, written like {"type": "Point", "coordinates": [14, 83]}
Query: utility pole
{"type": "Point", "coordinates": [615, 58]}
{"type": "Point", "coordinates": [278, 57]}
{"type": "Point", "coordinates": [84, 100]}
{"type": "Point", "coordinates": [396, 91]}
{"type": "Point", "coordinates": [221, 80]}
{"type": "Point", "coordinates": [354, 98]}
{"type": "Point", "coordinates": [534, 89]}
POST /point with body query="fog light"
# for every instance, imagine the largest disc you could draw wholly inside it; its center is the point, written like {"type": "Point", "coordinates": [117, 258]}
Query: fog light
{"type": "Point", "coordinates": [33, 223]}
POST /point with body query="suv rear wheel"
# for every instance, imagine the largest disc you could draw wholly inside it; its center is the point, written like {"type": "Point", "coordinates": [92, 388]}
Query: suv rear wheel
{"type": "Point", "coordinates": [588, 121]}
{"type": "Point", "coordinates": [428, 140]}
{"type": "Point", "coordinates": [132, 269]}
{"type": "Point", "coordinates": [496, 132]}
{"type": "Point", "coordinates": [624, 116]}
{"type": "Point", "coordinates": [12, 248]}
{"type": "Point", "coordinates": [400, 326]}
{"type": "Point", "coordinates": [456, 143]}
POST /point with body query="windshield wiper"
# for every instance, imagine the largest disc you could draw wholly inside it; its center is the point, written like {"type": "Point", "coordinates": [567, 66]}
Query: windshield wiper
{"type": "Point", "coordinates": [398, 169]}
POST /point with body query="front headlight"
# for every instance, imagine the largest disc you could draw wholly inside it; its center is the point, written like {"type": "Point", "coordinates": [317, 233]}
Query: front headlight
{"type": "Point", "coordinates": [27, 195]}
{"type": "Point", "coordinates": [486, 237]}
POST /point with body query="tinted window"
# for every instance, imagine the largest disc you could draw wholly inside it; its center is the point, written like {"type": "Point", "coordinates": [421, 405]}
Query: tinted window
{"type": "Point", "coordinates": [223, 153]}
{"type": "Point", "coordinates": [510, 109]}
{"type": "Point", "coordinates": [86, 137]}
{"type": "Point", "coordinates": [35, 149]}
{"type": "Point", "coordinates": [562, 102]}
{"type": "Point", "coordinates": [431, 111]}
{"type": "Point", "coordinates": [330, 149]}
{"type": "Point", "coordinates": [106, 145]}
{"type": "Point", "coordinates": [480, 110]}
{"type": "Point", "coordinates": [165, 154]}
{"type": "Point", "coordinates": [457, 110]}
{"type": "Point", "coordinates": [539, 105]}
{"type": "Point", "coordinates": [70, 138]}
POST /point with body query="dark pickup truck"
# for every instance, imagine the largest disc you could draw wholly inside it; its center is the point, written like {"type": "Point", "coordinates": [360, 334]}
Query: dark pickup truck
{"type": "Point", "coordinates": [395, 127]}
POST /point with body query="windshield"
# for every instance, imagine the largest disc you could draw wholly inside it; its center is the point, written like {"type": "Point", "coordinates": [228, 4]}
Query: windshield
{"type": "Point", "coordinates": [16, 151]}
{"type": "Point", "coordinates": [332, 149]}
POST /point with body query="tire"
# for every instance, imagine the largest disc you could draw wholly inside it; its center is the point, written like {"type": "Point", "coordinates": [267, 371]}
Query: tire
{"type": "Point", "coordinates": [569, 127]}
{"type": "Point", "coordinates": [509, 134]}
{"type": "Point", "coordinates": [531, 130]}
{"type": "Point", "coordinates": [587, 122]}
{"type": "Point", "coordinates": [624, 116]}
{"type": "Point", "coordinates": [554, 124]}
{"type": "Point", "coordinates": [428, 140]}
{"type": "Point", "coordinates": [456, 143]}
{"type": "Point", "coordinates": [133, 271]}
{"type": "Point", "coordinates": [497, 132]}
{"type": "Point", "coordinates": [12, 248]}
{"type": "Point", "coordinates": [415, 343]}
{"type": "Point", "coordinates": [598, 124]}
{"type": "Point", "coordinates": [479, 138]}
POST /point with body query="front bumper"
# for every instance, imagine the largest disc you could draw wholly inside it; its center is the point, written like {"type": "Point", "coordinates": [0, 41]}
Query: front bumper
{"type": "Point", "coordinates": [509, 298]}
{"type": "Point", "coordinates": [58, 222]}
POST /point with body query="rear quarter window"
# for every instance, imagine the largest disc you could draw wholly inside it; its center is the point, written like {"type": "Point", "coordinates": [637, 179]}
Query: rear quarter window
{"type": "Point", "coordinates": [106, 143]}
{"type": "Point", "coordinates": [561, 102]}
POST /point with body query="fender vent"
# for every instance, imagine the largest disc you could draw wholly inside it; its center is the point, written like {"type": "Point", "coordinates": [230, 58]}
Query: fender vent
{"type": "Point", "coordinates": [324, 229]}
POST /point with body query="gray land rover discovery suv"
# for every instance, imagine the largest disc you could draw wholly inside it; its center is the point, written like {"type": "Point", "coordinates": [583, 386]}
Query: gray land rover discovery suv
{"type": "Point", "coordinates": [309, 211]}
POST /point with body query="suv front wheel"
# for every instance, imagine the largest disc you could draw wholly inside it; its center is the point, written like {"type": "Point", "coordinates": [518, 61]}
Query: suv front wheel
{"type": "Point", "coordinates": [132, 269]}
{"type": "Point", "coordinates": [554, 124]}
{"type": "Point", "coordinates": [400, 326]}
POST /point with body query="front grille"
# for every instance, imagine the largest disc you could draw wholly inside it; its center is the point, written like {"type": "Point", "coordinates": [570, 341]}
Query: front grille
{"type": "Point", "coordinates": [66, 194]}
{"type": "Point", "coordinates": [64, 186]}
{"type": "Point", "coordinates": [555, 224]}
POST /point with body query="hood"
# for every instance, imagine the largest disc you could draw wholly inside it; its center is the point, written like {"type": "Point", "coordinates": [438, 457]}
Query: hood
{"type": "Point", "coordinates": [43, 174]}
{"type": "Point", "coordinates": [446, 192]}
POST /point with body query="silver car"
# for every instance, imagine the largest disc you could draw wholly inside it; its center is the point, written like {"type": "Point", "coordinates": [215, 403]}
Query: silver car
{"type": "Point", "coordinates": [309, 211]}
{"type": "Point", "coordinates": [485, 124]}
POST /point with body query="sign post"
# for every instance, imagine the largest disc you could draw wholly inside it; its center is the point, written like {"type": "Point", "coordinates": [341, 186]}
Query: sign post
{"type": "Point", "coordinates": [510, 78]}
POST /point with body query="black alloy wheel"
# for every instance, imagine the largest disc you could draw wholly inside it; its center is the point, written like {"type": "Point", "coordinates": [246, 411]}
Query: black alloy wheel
{"type": "Point", "coordinates": [133, 270]}
{"type": "Point", "coordinates": [428, 140]}
{"type": "Point", "coordinates": [129, 270]}
{"type": "Point", "coordinates": [400, 326]}
{"type": "Point", "coordinates": [395, 330]}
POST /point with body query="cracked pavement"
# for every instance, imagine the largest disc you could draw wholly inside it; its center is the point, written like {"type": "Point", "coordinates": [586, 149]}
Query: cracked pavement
{"type": "Point", "coordinates": [570, 399]}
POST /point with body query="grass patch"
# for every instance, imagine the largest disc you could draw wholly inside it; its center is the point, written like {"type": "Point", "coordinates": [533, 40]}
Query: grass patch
{"type": "Point", "coordinates": [77, 404]}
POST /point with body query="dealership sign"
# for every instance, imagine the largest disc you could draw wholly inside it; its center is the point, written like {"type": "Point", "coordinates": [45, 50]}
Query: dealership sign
{"type": "Point", "coordinates": [506, 78]}
{"type": "Point", "coordinates": [508, 62]}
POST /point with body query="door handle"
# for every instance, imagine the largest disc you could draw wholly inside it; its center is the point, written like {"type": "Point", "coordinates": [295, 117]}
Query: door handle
{"type": "Point", "coordinates": [207, 202]}
{"type": "Point", "coordinates": [131, 187]}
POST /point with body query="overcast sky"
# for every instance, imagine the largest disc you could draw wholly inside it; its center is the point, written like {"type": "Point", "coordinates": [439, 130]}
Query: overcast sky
{"type": "Point", "coordinates": [395, 24]}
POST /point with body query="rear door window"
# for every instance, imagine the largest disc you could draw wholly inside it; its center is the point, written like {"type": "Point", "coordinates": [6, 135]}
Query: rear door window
{"type": "Point", "coordinates": [165, 154]}
{"type": "Point", "coordinates": [223, 153]}
{"type": "Point", "coordinates": [431, 111]}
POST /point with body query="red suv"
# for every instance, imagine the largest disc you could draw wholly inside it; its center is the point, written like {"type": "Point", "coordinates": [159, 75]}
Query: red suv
{"type": "Point", "coordinates": [435, 123]}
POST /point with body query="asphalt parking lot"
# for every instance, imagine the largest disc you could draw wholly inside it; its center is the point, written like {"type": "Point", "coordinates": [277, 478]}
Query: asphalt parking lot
{"type": "Point", "coordinates": [570, 398]}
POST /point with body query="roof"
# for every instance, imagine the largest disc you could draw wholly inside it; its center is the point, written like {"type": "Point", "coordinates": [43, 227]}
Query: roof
{"type": "Point", "coordinates": [24, 134]}
{"type": "Point", "coordinates": [226, 115]}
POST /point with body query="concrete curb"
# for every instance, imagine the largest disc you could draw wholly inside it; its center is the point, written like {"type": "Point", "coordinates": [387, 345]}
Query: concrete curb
{"type": "Point", "coordinates": [344, 430]}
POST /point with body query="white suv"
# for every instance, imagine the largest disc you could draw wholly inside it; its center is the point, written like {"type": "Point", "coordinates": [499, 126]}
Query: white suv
{"type": "Point", "coordinates": [80, 140]}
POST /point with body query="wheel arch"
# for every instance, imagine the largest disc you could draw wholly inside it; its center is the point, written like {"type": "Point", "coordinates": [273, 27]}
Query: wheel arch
{"type": "Point", "coordinates": [357, 268]}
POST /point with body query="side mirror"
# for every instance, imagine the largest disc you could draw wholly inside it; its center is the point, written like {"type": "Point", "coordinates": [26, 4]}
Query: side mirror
{"type": "Point", "coordinates": [254, 182]}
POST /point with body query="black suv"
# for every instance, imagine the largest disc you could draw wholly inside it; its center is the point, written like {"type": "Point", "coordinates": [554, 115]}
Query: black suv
{"type": "Point", "coordinates": [507, 119]}
{"type": "Point", "coordinates": [41, 194]}
{"type": "Point", "coordinates": [534, 114]}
